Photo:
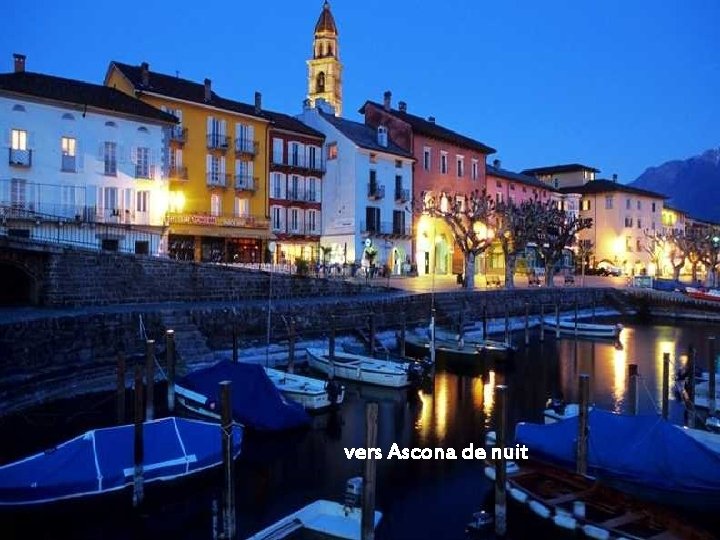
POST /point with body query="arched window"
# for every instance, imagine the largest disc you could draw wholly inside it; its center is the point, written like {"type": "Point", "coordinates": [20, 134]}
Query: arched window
{"type": "Point", "coordinates": [110, 124]}
{"type": "Point", "coordinates": [320, 82]}
{"type": "Point", "coordinates": [18, 108]}
{"type": "Point", "coordinates": [143, 129]}
{"type": "Point", "coordinates": [68, 116]}
{"type": "Point", "coordinates": [330, 50]}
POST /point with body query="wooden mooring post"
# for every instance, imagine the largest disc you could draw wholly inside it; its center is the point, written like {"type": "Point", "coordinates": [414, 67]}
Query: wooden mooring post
{"type": "Point", "coordinates": [665, 385]}
{"type": "Point", "coordinates": [633, 395]}
{"type": "Point", "coordinates": [291, 346]}
{"type": "Point", "coordinates": [331, 340]}
{"type": "Point", "coordinates": [576, 316]}
{"type": "Point", "coordinates": [120, 395]}
{"type": "Point", "coordinates": [691, 387]}
{"type": "Point", "coordinates": [500, 464]}
{"type": "Point", "coordinates": [369, 484]}
{"type": "Point", "coordinates": [542, 322]}
{"type": "Point", "coordinates": [582, 446]}
{"type": "Point", "coordinates": [371, 325]}
{"type": "Point", "coordinates": [527, 324]}
{"type": "Point", "coordinates": [138, 445]}
{"type": "Point", "coordinates": [403, 332]}
{"type": "Point", "coordinates": [711, 375]}
{"type": "Point", "coordinates": [228, 494]}
{"type": "Point", "coordinates": [557, 320]}
{"type": "Point", "coordinates": [150, 379]}
{"type": "Point", "coordinates": [507, 325]}
{"type": "Point", "coordinates": [170, 363]}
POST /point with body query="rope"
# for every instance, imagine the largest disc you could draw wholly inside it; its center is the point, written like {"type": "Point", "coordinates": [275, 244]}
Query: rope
{"type": "Point", "coordinates": [652, 399]}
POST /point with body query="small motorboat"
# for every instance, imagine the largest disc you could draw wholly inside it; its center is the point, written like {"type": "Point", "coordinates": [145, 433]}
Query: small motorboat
{"type": "Point", "coordinates": [712, 423]}
{"type": "Point", "coordinates": [558, 410]}
{"type": "Point", "coordinates": [481, 523]}
{"type": "Point", "coordinates": [365, 369]}
{"type": "Point", "coordinates": [599, 331]}
{"type": "Point", "coordinates": [453, 348]}
{"type": "Point", "coordinates": [701, 293]}
{"type": "Point", "coordinates": [313, 394]}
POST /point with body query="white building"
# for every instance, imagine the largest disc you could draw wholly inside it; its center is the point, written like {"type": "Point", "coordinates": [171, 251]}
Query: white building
{"type": "Point", "coordinates": [85, 164]}
{"type": "Point", "coordinates": [366, 192]}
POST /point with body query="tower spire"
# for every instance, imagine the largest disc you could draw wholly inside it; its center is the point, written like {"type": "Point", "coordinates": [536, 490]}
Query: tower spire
{"type": "Point", "coordinates": [324, 67]}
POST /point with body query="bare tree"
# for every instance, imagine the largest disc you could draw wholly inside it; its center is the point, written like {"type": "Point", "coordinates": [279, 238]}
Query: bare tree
{"type": "Point", "coordinates": [709, 249]}
{"type": "Point", "coordinates": [584, 250]}
{"type": "Point", "coordinates": [556, 232]}
{"type": "Point", "coordinates": [680, 247]}
{"type": "Point", "coordinates": [468, 216]}
{"type": "Point", "coordinates": [654, 246]}
{"type": "Point", "coordinates": [513, 228]}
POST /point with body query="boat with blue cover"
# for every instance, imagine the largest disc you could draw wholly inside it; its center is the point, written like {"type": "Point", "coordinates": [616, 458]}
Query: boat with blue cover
{"type": "Point", "coordinates": [256, 402]}
{"type": "Point", "coordinates": [101, 461]}
{"type": "Point", "coordinates": [643, 455]}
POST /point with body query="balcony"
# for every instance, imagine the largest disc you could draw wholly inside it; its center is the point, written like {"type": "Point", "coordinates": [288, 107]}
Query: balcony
{"type": "Point", "coordinates": [178, 173]}
{"type": "Point", "coordinates": [216, 179]}
{"type": "Point", "coordinates": [68, 163]}
{"type": "Point", "coordinates": [387, 229]}
{"type": "Point", "coordinates": [222, 220]}
{"type": "Point", "coordinates": [178, 134]}
{"type": "Point", "coordinates": [20, 158]}
{"type": "Point", "coordinates": [216, 141]}
{"type": "Point", "coordinates": [301, 229]}
{"type": "Point", "coordinates": [295, 195]}
{"type": "Point", "coordinates": [312, 196]}
{"type": "Point", "coordinates": [375, 191]}
{"type": "Point", "coordinates": [144, 172]}
{"type": "Point", "coordinates": [245, 182]}
{"type": "Point", "coordinates": [302, 163]}
{"type": "Point", "coordinates": [402, 195]}
{"type": "Point", "coordinates": [246, 146]}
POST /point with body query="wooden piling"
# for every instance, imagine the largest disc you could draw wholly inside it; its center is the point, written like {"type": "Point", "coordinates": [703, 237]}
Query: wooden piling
{"type": "Point", "coordinates": [371, 324]}
{"type": "Point", "coordinates": [665, 385]}
{"type": "Point", "coordinates": [576, 316]}
{"type": "Point", "coordinates": [557, 320]}
{"type": "Point", "coordinates": [138, 446]}
{"type": "Point", "coordinates": [432, 336]}
{"type": "Point", "coordinates": [527, 324]}
{"type": "Point", "coordinates": [582, 446]}
{"type": "Point", "coordinates": [484, 321]}
{"type": "Point", "coordinates": [542, 322]}
{"type": "Point", "coordinates": [170, 361]}
{"type": "Point", "coordinates": [228, 498]}
{"type": "Point", "coordinates": [691, 386]}
{"type": "Point", "coordinates": [507, 325]}
{"type": "Point", "coordinates": [633, 395]}
{"type": "Point", "coordinates": [291, 346]}
{"type": "Point", "coordinates": [120, 396]}
{"type": "Point", "coordinates": [331, 341]}
{"type": "Point", "coordinates": [500, 470]}
{"type": "Point", "coordinates": [403, 332]}
{"type": "Point", "coordinates": [234, 343]}
{"type": "Point", "coordinates": [711, 375]}
{"type": "Point", "coordinates": [150, 379]}
{"type": "Point", "coordinates": [368, 495]}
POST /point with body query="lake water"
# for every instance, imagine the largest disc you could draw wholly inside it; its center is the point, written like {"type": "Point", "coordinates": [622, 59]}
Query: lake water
{"type": "Point", "coordinates": [420, 499]}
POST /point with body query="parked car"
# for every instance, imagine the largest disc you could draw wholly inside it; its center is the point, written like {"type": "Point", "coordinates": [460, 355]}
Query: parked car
{"type": "Point", "coordinates": [609, 269]}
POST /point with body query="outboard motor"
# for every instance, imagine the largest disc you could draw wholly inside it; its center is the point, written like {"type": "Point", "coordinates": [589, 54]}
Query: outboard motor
{"type": "Point", "coordinates": [353, 494]}
{"type": "Point", "coordinates": [333, 389]}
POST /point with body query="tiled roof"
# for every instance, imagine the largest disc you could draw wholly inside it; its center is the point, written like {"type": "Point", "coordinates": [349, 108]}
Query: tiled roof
{"type": "Point", "coordinates": [518, 177]}
{"type": "Point", "coordinates": [288, 123]}
{"type": "Point", "coordinates": [431, 129]}
{"type": "Point", "coordinates": [79, 93]}
{"type": "Point", "coordinates": [608, 186]}
{"type": "Point", "coordinates": [559, 169]}
{"type": "Point", "coordinates": [176, 87]}
{"type": "Point", "coordinates": [364, 136]}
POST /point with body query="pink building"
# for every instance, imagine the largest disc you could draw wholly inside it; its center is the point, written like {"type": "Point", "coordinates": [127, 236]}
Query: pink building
{"type": "Point", "coordinates": [503, 185]}
{"type": "Point", "coordinates": [445, 162]}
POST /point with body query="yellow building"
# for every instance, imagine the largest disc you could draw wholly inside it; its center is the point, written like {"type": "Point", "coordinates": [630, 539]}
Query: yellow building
{"type": "Point", "coordinates": [217, 163]}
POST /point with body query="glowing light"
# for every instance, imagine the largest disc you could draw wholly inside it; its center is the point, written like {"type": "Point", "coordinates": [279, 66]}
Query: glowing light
{"type": "Point", "coordinates": [489, 396]}
{"type": "Point", "coordinates": [441, 405]}
{"type": "Point", "coordinates": [619, 245]}
{"type": "Point", "coordinates": [176, 201]}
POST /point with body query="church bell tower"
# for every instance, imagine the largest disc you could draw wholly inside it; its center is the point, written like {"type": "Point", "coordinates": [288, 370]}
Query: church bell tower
{"type": "Point", "coordinates": [324, 68]}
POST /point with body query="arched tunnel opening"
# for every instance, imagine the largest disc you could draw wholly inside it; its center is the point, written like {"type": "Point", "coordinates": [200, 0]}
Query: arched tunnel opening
{"type": "Point", "coordinates": [17, 287]}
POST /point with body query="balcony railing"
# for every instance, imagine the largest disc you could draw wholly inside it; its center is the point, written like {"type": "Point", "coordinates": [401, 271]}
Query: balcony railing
{"type": "Point", "coordinates": [295, 195]}
{"type": "Point", "coordinates": [222, 220]}
{"type": "Point", "coordinates": [144, 172]}
{"type": "Point", "coordinates": [20, 158]}
{"type": "Point", "coordinates": [375, 191]}
{"type": "Point", "coordinates": [68, 163]}
{"type": "Point", "coordinates": [215, 141]}
{"type": "Point", "coordinates": [178, 173]}
{"type": "Point", "coordinates": [303, 229]}
{"type": "Point", "coordinates": [245, 182]}
{"type": "Point", "coordinates": [216, 179]}
{"type": "Point", "coordinates": [402, 195]}
{"type": "Point", "coordinates": [178, 134]}
{"type": "Point", "coordinates": [385, 228]}
{"type": "Point", "coordinates": [246, 146]}
{"type": "Point", "coordinates": [300, 162]}
{"type": "Point", "coordinates": [312, 196]}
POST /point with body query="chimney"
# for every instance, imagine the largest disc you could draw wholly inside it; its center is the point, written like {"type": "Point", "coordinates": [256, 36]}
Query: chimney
{"type": "Point", "coordinates": [402, 106]}
{"type": "Point", "coordinates": [431, 119]}
{"type": "Point", "coordinates": [496, 163]}
{"type": "Point", "coordinates": [615, 178]}
{"type": "Point", "coordinates": [208, 90]}
{"type": "Point", "coordinates": [258, 102]}
{"type": "Point", "coordinates": [19, 63]}
{"type": "Point", "coordinates": [145, 74]}
{"type": "Point", "coordinates": [387, 97]}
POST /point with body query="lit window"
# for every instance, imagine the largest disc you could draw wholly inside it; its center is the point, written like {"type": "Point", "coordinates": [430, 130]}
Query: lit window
{"type": "Point", "coordinates": [427, 162]}
{"type": "Point", "coordinates": [443, 162]}
{"type": "Point", "coordinates": [332, 151]}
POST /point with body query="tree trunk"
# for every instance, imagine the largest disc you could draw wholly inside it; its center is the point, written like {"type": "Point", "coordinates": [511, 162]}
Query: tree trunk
{"type": "Point", "coordinates": [469, 282]}
{"type": "Point", "coordinates": [549, 277]}
{"type": "Point", "coordinates": [694, 272]}
{"type": "Point", "coordinates": [510, 261]}
{"type": "Point", "coordinates": [676, 272]}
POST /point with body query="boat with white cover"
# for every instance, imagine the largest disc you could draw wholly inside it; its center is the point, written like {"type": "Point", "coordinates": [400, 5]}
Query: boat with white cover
{"type": "Point", "coordinates": [365, 369]}
{"type": "Point", "coordinates": [310, 393]}
{"type": "Point", "coordinates": [600, 331]}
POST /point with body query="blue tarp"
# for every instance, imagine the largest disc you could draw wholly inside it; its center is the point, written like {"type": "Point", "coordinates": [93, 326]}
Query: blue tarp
{"type": "Point", "coordinates": [103, 460]}
{"type": "Point", "coordinates": [256, 402]}
{"type": "Point", "coordinates": [644, 450]}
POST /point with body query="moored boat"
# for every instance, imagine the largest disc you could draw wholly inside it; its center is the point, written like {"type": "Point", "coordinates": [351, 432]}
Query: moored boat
{"type": "Point", "coordinates": [312, 394]}
{"type": "Point", "coordinates": [703, 294]}
{"type": "Point", "coordinates": [599, 331]}
{"type": "Point", "coordinates": [449, 347]}
{"type": "Point", "coordinates": [361, 368]}
{"type": "Point", "coordinates": [101, 461]}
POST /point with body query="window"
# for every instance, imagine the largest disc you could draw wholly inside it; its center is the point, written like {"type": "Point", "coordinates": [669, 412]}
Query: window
{"type": "Point", "coordinates": [110, 201]}
{"type": "Point", "coordinates": [498, 184]}
{"type": "Point", "coordinates": [215, 204]}
{"type": "Point", "coordinates": [277, 151]}
{"type": "Point", "coordinates": [398, 164]}
{"type": "Point", "coordinates": [18, 194]}
{"type": "Point", "coordinates": [110, 244]}
{"type": "Point", "coordinates": [460, 166]}
{"type": "Point", "coordinates": [142, 198]}
{"type": "Point", "coordinates": [320, 83]}
{"type": "Point", "coordinates": [556, 183]}
{"type": "Point", "coordinates": [19, 139]}
{"type": "Point", "coordinates": [638, 245]}
{"type": "Point", "coordinates": [653, 207]}
{"type": "Point", "coordinates": [332, 151]}
{"type": "Point", "coordinates": [277, 187]}
{"type": "Point", "coordinates": [142, 162]}
{"type": "Point", "coordinates": [639, 204]}
{"type": "Point", "coordinates": [427, 163]}
{"type": "Point", "coordinates": [628, 204]}
{"type": "Point", "coordinates": [398, 222]}
{"type": "Point", "coordinates": [110, 158]}
{"type": "Point", "coordinates": [382, 136]}
{"type": "Point", "coordinates": [608, 202]}
{"type": "Point", "coordinates": [294, 188]}
{"type": "Point", "coordinates": [628, 243]}
{"type": "Point", "coordinates": [512, 187]}
{"type": "Point", "coordinates": [312, 193]}
{"type": "Point", "coordinates": [639, 223]}
{"type": "Point", "coordinates": [294, 220]}
{"type": "Point", "coordinates": [585, 204]}
{"type": "Point", "coordinates": [373, 157]}
{"type": "Point", "coordinates": [242, 207]}
{"type": "Point", "coordinates": [312, 220]}
{"type": "Point", "coordinates": [295, 154]}
{"type": "Point", "coordinates": [142, 247]}
{"type": "Point", "coordinates": [653, 225]}
{"type": "Point", "coordinates": [313, 162]}
{"type": "Point", "coordinates": [19, 153]}
{"type": "Point", "coordinates": [373, 178]}
{"type": "Point", "coordinates": [474, 170]}
{"type": "Point", "coordinates": [68, 146]}
{"type": "Point", "coordinates": [372, 219]}
{"type": "Point", "coordinates": [498, 198]}
{"type": "Point", "coordinates": [443, 162]}
{"type": "Point", "coordinates": [276, 214]}
{"type": "Point", "coordinates": [628, 221]}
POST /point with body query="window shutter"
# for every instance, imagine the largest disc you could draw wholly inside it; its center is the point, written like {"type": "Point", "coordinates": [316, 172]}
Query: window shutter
{"type": "Point", "coordinates": [80, 156]}
{"type": "Point", "coordinates": [133, 155]}
{"type": "Point", "coordinates": [250, 168]}
{"type": "Point", "coordinates": [222, 165]}
{"type": "Point", "coordinates": [239, 133]}
{"type": "Point", "coordinates": [223, 127]}
{"type": "Point", "coordinates": [209, 124]}
{"type": "Point", "coordinates": [178, 113]}
{"type": "Point", "coordinates": [101, 152]}
{"type": "Point", "coordinates": [250, 132]}
{"type": "Point", "coordinates": [208, 163]}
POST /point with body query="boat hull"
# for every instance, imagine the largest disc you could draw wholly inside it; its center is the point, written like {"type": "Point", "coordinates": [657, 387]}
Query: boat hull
{"type": "Point", "coordinates": [597, 331]}
{"type": "Point", "coordinates": [470, 353]}
{"type": "Point", "coordinates": [357, 368]}
{"type": "Point", "coordinates": [308, 392]}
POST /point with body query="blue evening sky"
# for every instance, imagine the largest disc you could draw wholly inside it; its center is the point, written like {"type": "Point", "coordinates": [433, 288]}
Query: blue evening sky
{"type": "Point", "coordinates": [617, 84]}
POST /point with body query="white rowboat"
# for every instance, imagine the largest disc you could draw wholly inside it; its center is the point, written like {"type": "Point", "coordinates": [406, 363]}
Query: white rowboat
{"type": "Point", "coordinates": [360, 368]}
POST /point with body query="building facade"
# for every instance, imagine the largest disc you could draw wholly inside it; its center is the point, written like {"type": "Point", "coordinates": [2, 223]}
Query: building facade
{"type": "Point", "coordinates": [218, 160]}
{"type": "Point", "coordinates": [366, 216]}
{"type": "Point", "coordinates": [85, 164]}
{"type": "Point", "coordinates": [324, 68]}
{"type": "Point", "coordinates": [296, 189]}
{"type": "Point", "coordinates": [445, 162]}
